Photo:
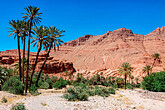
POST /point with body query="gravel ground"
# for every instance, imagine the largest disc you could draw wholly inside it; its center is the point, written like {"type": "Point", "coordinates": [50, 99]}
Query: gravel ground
{"type": "Point", "coordinates": [123, 100]}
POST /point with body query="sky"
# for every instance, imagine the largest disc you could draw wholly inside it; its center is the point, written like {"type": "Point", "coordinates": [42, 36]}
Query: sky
{"type": "Point", "coordinates": [82, 17]}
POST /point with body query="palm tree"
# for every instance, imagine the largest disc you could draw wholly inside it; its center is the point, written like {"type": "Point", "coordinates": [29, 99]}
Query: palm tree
{"type": "Point", "coordinates": [16, 31]}
{"type": "Point", "coordinates": [24, 32]}
{"type": "Point", "coordinates": [33, 18]}
{"type": "Point", "coordinates": [125, 70]}
{"type": "Point", "coordinates": [147, 69]}
{"type": "Point", "coordinates": [156, 56]}
{"type": "Point", "coordinates": [54, 35]}
{"type": "Point", "coordinates": [39, 40]}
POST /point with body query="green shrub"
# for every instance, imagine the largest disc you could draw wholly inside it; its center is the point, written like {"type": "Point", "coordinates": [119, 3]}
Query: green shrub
{"type": "Point", "coordinates": [44, 85]}
{"type": "Point", "coordinates": [154, 82]}
{"type": "Point", "coordinates": [33, 90]}
{"type": "Point", "coordinates": [4, 100]}
{"type": "Point", "coordinates": [81, 92]}
{"type": "Point", "coordinates": [54, 79]}
{"type": "Point", "coordinates": [103, 91]}
{"type": "Point", "coordinates": [49, 81]}
{"type": "Point", "coordinates": [130, 86]}
{"type": "Point", "coordinates": [18, 106]}
{"type": "Point", "coordinates": [76, 94]}
{"type": "Point", "coordinates": [13, 85]}
{"type": "Point", "coordinates": [60, 84]}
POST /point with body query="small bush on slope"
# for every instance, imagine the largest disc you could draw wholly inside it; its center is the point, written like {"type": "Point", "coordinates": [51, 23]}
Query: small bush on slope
{"type": "Point", "coordinates": [154, 82]}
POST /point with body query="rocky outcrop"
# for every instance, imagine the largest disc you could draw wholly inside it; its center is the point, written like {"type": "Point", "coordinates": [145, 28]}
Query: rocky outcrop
{"type": "Point", "coordinates": [104, 53]}
{"type": "Point", "coordinates": [10, 58]}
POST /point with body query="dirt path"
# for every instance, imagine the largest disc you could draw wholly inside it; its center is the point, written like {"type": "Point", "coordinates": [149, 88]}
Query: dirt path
{"type": "Point", "coordinates": [123, 100]}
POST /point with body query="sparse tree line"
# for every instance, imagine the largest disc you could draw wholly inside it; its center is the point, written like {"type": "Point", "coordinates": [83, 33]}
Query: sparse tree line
{"type": "Point", "coordinates": [41, 36]}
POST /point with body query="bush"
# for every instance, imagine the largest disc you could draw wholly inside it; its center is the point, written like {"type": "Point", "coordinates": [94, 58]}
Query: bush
{"type": "Point", "coordinates": [18, 106]}
{"type": "Point", "coordinates": [76, 93]}
{"type": "Point", "coordinates": [44, 85]}
{"type": "Point", "coordinates": [49, 81]}
{"type": "Point", "coordinates": [81, 93]}
{"type": "Point", "coordinates": [103, 91]}
{"type": "Point", "coordinates": [13, 85]}
{"type": "Point", "coordinates": [60, 84]}
{"type": "Point", "coordinates": [4, 100]}
{"type": "Point", "coordinates": [154, 82]}
{"type": "Point", "coordinates": [33, 90]}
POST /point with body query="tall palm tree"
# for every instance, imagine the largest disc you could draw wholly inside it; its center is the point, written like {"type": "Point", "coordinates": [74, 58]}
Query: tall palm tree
{"type": "Point", "coordinates": [54, 35]}
{"type": "Point", "coordinates": [24, 33]}
{"type": "Point", "coordinates": [125, 70]}
{"type": "Point", "coordinates": [16, 31]}
{"type": "Point", "coordinates": [33, 18]}
{"type": "Point", "coordinates": [147, 69]}
{"type": "Point", "coordinates": [39, 40]}
{"type": "Point", "coordinates": [156, 56]}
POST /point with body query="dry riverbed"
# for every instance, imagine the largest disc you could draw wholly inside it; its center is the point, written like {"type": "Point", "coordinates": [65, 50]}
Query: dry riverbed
{"type": "Point", "coordinates": [123, 100]}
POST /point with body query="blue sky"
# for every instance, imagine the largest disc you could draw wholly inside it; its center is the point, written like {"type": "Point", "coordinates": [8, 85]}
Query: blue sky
{"type": "Point", "coordinates": [81, 17]}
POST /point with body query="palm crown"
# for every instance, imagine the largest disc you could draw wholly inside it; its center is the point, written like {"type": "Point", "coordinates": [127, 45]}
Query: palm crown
{"type": "Point", "coordinates": [32, 14]}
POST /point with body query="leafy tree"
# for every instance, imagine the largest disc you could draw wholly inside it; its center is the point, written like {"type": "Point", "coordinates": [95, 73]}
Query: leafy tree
{"type": "Point", "coordinates": [16, 31]}
{"type": "Point", "coordinates": [147, 69]}
{"type": "Point", "coordinates": [125, 70]}
{"type": "Point", "coordinates": [33, 18]}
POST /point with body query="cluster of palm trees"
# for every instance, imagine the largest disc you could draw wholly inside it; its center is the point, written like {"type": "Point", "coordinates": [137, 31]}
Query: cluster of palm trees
{"type": "Point", "coordinates": [126, 68]}
{"type": "Point", "coordinates": [42, 37]}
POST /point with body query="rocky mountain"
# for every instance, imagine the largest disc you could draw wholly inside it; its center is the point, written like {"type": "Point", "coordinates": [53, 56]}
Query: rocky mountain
{"type": "Point", "coordinates": [105, 53]}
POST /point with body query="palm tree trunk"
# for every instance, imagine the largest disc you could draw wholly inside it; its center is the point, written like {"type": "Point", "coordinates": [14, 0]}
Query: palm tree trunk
{"type": "Point", "coordinates": [43, 64]}
{"type": "Point", "coordinates": [125, 81]}
{"type": "Point", "coordinates": [148, 73]}
{"type": "Point", "coordinates": [26, 84]}
{"type": "Point", "coordinates": [19, 53]}
{"type": "Point", "coordinates": [23, 60]}
{"type": "Point", "coordinates": [35, 63]}
{"type": "Point", "coordinates": [153, 63]}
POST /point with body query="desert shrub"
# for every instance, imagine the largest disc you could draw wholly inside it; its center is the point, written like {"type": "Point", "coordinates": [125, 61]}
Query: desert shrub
{"type": "Point", "coordinates": [49, 81]}
{"type": "Point", "coordinates": [54, 79]}
{"type": "Point", "coordinates": [18, 106]}
{"type": "Point", "coordinates": [130, 86]}
{"type": "Point", "coordinates": [154, 82]}
{"type": "Point", "coordinates": [4, 100]}
{"type": "Point", "coordinates": [103, 91]}
{"type": "Point", "coordinates": [44, 85]}
{"type": "Point", "coordinates": [34, 90]}
{"type": "Point", "coordinates": [82, 92]}
{"type": "Point", "coordinates": [13, 85]}
{"type": "Point", "coordinates": [76, 93]}
{"type": "Point", "coordinates": [60, 84]}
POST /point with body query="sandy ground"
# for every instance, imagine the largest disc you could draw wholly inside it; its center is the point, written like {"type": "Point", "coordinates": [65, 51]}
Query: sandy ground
{"type": "Point", "coordinates": [123, 100]}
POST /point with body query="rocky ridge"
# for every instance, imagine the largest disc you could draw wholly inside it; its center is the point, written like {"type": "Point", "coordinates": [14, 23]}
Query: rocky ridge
{"type": "Point", "coordinates": [105, 53]}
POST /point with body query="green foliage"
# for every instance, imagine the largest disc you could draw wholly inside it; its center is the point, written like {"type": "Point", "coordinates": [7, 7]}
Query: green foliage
{"type": "Point", "coordinates": [54, 79]}
{"type": "Point", "coordinates": [18, 106]}
{"type": "Point", "coordinates": [60, 84]}
{"type": "Point", "coordinates": [154, 82]}
{"type": "Point", "coordinates": [33, 90]}
{"type": "Point", "coordinates": [76, 93]}
{"type": "Point", "coordinates": [49, 81]}
{"type": "Point", "coordinates": [13, 85]}
{"type": "Point", "coordinates": [81, 92]}
{"type": "Point", "coordinates": [4, 75]}
{"type": "Point", "coordinates": [4, 100]}
{"type": "Point", "coordinates": [44, 85]}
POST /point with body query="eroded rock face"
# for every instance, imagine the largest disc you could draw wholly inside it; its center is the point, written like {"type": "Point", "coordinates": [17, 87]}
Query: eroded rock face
{"type": "Point", "coordinates": [105, 53]}
{"type": "Point", "coordinates": [7, 58]}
